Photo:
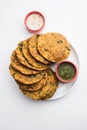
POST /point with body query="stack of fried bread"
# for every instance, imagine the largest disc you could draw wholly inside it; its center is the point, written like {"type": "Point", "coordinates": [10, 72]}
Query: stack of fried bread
{"type": "Point", "coordinates": [31, 60]}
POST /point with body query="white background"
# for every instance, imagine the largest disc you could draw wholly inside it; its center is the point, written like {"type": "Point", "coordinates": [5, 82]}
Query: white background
{"type": "Point", "coordinates": [17, 112]}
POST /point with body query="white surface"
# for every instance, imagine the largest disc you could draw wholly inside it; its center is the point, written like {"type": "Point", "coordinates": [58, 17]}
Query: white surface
{"type": "Point", "coordinates": [17, 112]}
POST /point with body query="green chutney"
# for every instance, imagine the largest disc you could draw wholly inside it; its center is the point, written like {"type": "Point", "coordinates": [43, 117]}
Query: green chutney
{"type": "Point", "coordinates": [66, 71]}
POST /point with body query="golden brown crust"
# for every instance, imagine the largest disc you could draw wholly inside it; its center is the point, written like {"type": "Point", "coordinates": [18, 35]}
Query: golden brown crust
{"type": "Point", "coordinates": [33, 50]}
{"type": "Point", "coordinates": [53, 88]}
{"type": "Point", "coordinates": [52, 91]}
{"type": "Point", "coordinates": [53, 46]}
{"type": "Point", "coordinates": [34, 87]}
{"type": "Point", "coordinates": [25, 79]}
{"type": "Point", "coordinates": [30, 59]}
{"type": "Point", "coordinates": [21, 68]}
{"type": "Point", "coordinates": [37, 95]}
{"type": "Point", "coordinates": [21, 58]}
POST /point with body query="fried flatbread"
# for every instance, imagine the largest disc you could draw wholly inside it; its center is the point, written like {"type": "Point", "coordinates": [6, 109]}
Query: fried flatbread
{"type": "Point", "coordinates": [30, 64]}
{"type": "Point", "coordinates": [33, 50]}
{"type": "Point", "coordinates": [36, 86]}
{"type": "Point", "coordinates": [30, 59]}
{"type": "Point", "coordinates": [52, 89]}
{"type": "Point", "coordinates": [53, 46]}
{"type": "Point", "coordinates": [37, 95]}
{"type": "Point", "coordinates": [25, 79]}
{"type": "Point", "coordinates": [21, 58]}
{"type": "Point", "coordinates": [20, 67]}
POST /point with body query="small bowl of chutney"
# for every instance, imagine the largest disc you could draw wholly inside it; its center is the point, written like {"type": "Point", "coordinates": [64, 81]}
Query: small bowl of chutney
{"type": "Point", "coordinates": [66, 71]}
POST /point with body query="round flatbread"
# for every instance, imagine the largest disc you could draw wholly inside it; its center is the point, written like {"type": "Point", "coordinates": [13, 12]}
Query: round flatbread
{"type": "Point", "coordinates": [30, 59]}
{"type": "Point", "coordinates": [53, 46]}
{"type": "Point", "coordinates": [52, 89]}
{"type": "Point", "coordinates": [21, 68]}
{"type": "Point", "coordinates": [37, 95]}
{"type": "Point", "coordinates": [21, 58]}
{"type": "Point", "coordinates": [25, 79]}
{"type": "Point", "coordinates": [33, 49]}
{"type": "Point", "coordinates": [34, 87]}
{"type": "Point", "coordinates": [51, 93]}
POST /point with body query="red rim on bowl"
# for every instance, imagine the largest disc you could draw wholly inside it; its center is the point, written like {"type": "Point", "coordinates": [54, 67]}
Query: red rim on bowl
{"type": "Point", "coordinates": [34, 21]}
{"type": "Point", "coordinates": [64, 80]}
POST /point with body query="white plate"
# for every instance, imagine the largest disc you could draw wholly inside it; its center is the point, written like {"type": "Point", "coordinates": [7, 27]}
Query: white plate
{"type": "Point", "coordinates": [64, 88]}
